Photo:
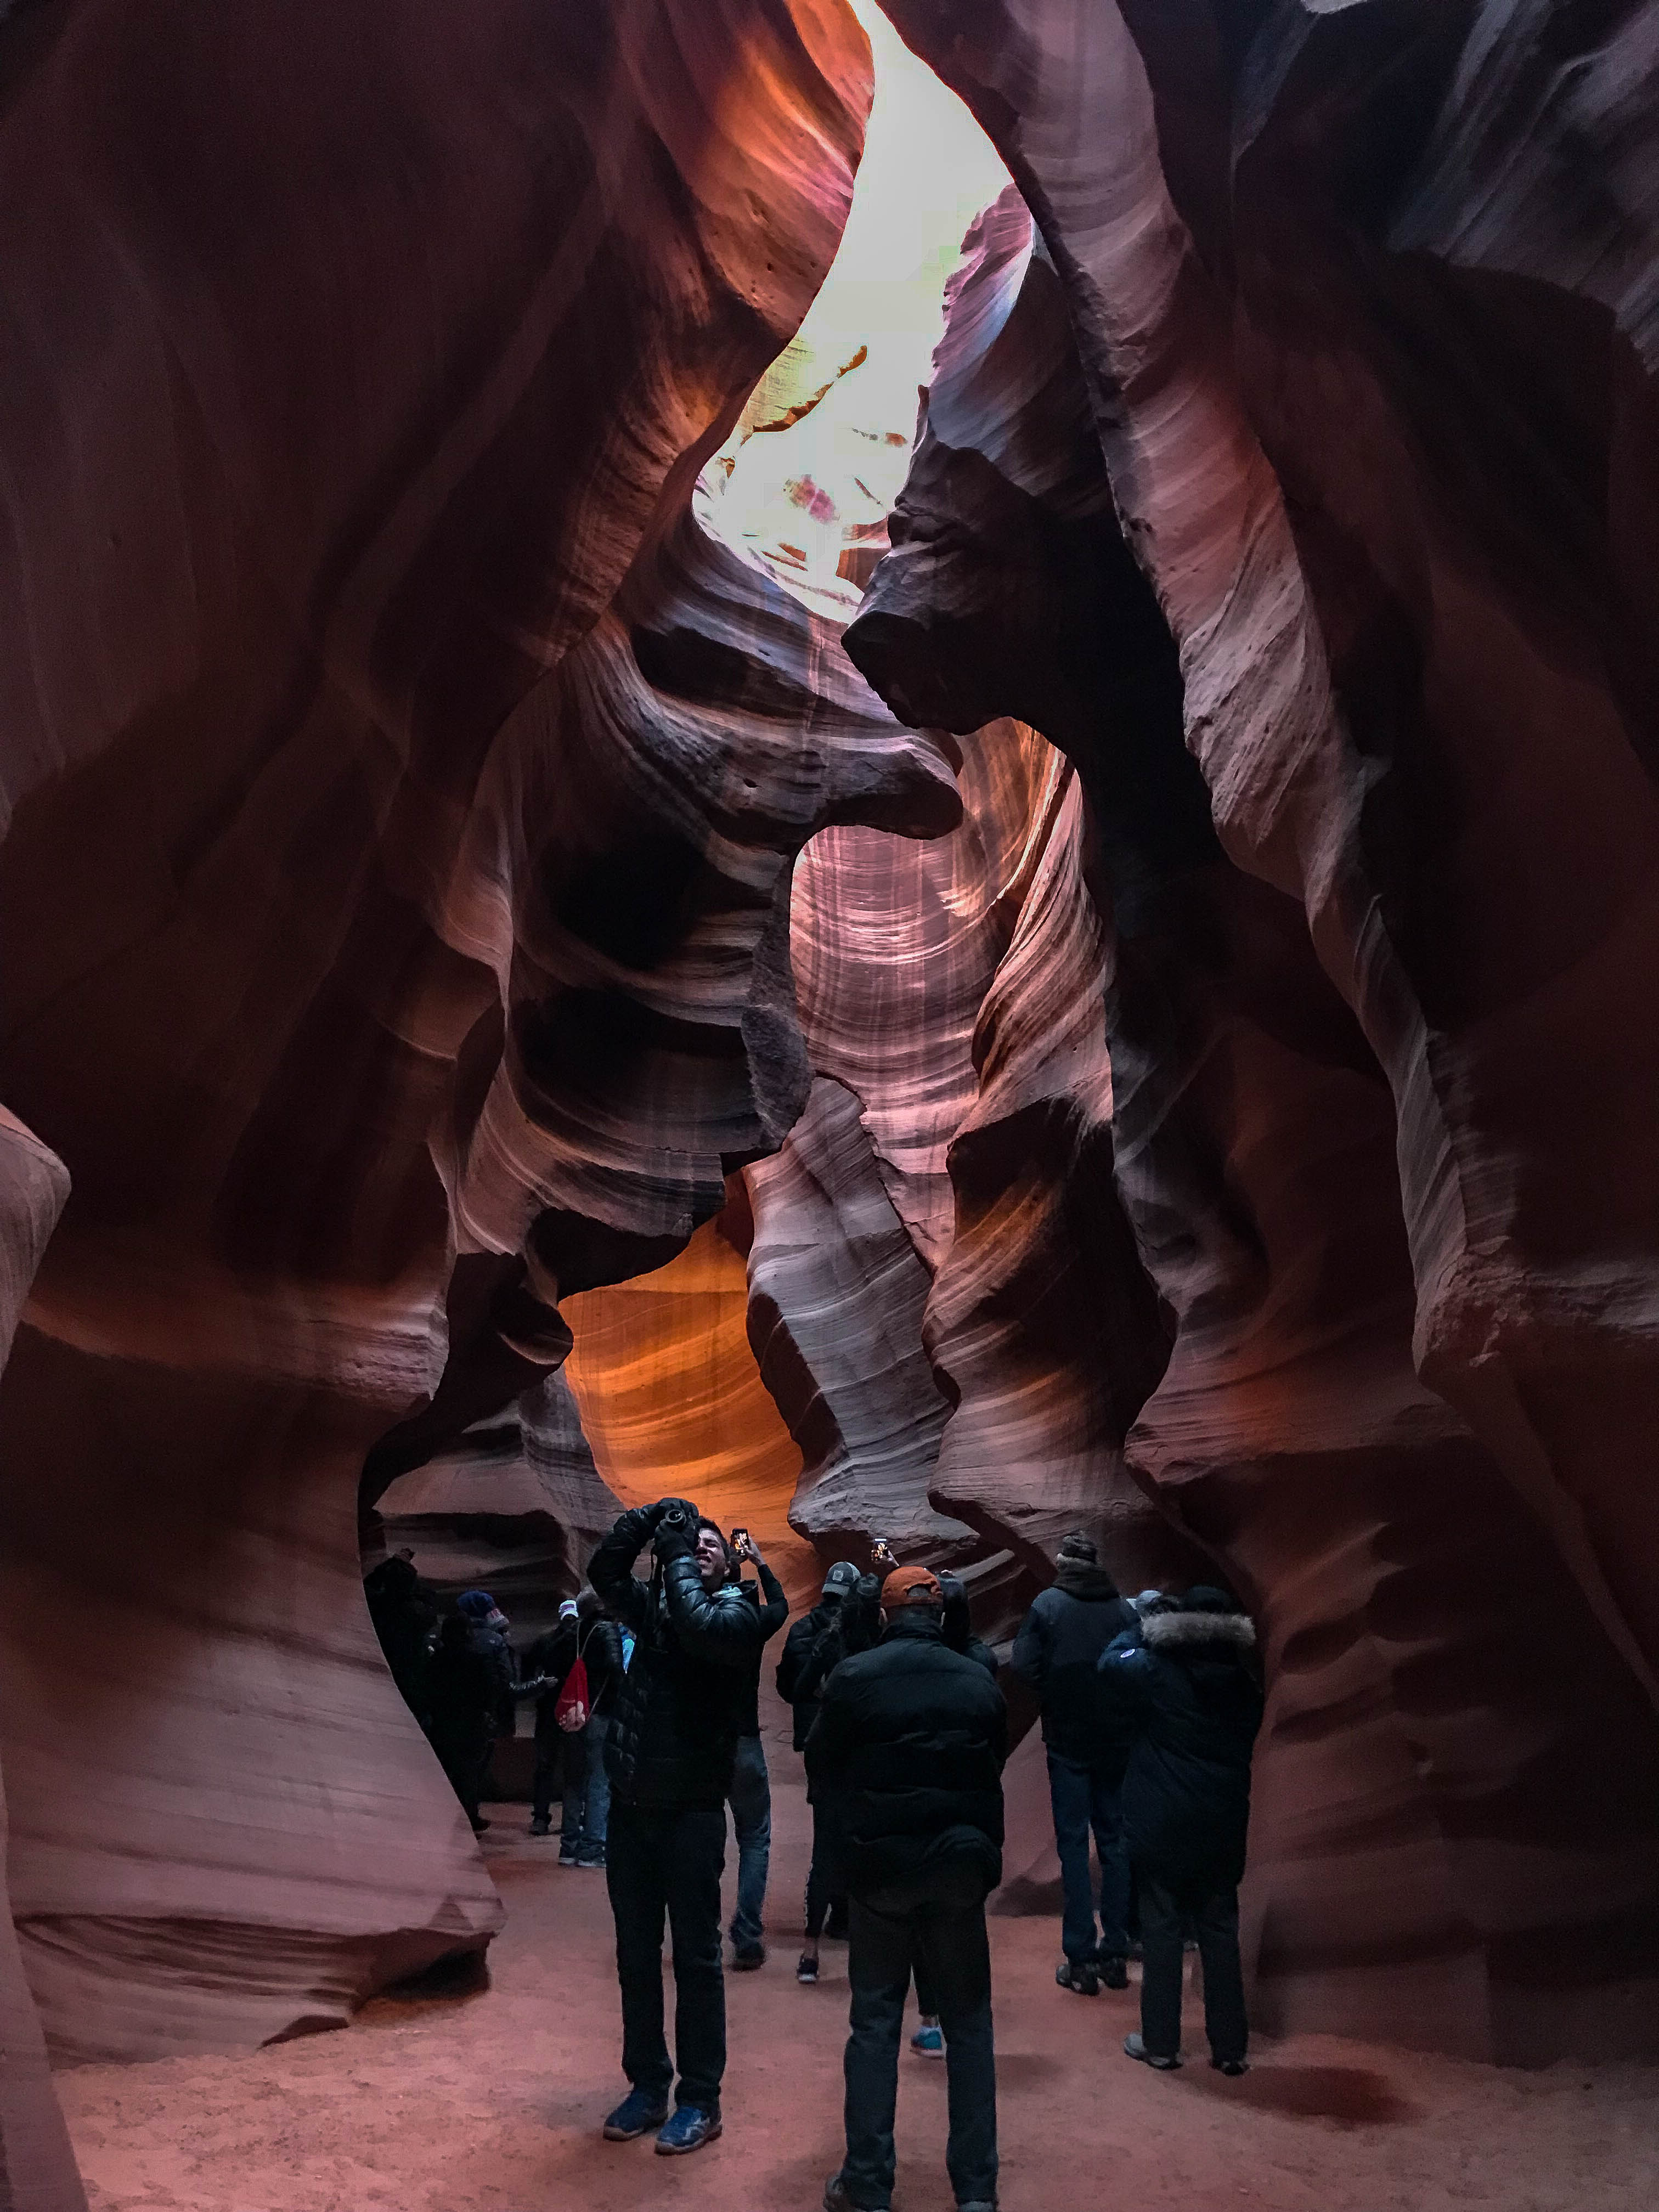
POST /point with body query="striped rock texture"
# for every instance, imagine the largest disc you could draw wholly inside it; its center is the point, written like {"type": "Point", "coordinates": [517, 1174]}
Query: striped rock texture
{"type": "Point", "coordinates": [37, 2165]}
{"type": "Point", "coordinates": [1369, 369]}
{"type": "Point", "coordinates": [402, 804]}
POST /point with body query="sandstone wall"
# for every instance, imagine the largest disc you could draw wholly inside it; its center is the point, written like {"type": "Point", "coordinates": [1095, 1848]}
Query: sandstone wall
{"type": "Point", "coordinates": [1460, 1707]}
{"type": "Point", "coordinates": [393, 871]}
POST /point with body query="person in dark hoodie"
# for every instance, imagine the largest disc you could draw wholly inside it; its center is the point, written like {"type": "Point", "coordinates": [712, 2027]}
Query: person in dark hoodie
{"type": "Point", "coordinates": [471, 1694]}
{"type": "Point", "coordinates": [811, 1650]}
{"type": "Point", "coordinates": [909, 1744]}
{"type": "Point", "coordinates": [1191, 1681]}
{"type": "Point", "coordinates": [1058, 1652]}
{"type": "Point", "coordinates": [406, 1622]}
{"type": "Point", "coordinates": [670, 1753]}
{"type": "Point", "coordinates": [957, 1625]}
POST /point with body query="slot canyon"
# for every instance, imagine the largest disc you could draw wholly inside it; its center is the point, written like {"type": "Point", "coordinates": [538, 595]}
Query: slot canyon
{"type": "Point", "coordinates": [890, 762]}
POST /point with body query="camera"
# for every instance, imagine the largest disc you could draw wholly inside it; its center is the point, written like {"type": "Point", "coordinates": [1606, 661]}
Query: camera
{"type": "Point", "coordinates": [674, 1516]}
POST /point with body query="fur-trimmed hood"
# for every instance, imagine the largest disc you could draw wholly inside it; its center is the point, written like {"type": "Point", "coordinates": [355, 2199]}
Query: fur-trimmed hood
{"type": "Point", "coordinates": [1167, 1631]}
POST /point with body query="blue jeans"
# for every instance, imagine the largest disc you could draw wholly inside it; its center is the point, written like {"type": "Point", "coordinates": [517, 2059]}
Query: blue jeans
{"type": "Point", "coordinates": [1085, 1797]}
{"type": "Point", "coordinates": [750, 1799]}
{"type": "Point", "coordinates": [587, 1788]}
{"type": "Point", "coordinates": [937, 1929]}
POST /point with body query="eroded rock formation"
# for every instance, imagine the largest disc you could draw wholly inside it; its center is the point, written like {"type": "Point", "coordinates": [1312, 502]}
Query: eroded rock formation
{"type": "Point", "coordinates": [37, 2165]}
{"type": "Point", "coordinates": [1236, 1117]}
{"type": "Point", "coordinates": [383, 878]}
{"type": "Point", "coordinates": [1372, 1139]}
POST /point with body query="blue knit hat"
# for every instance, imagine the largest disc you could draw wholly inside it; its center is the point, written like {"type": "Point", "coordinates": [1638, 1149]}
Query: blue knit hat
{"type": "Point", "coordinates": [476, 1605]}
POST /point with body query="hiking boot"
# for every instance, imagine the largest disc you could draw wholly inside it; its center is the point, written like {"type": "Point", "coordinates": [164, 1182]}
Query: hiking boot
{"type": "Point", "coordinates": [689, 2130]}
{"type": "Point", "coordinates": [928, 2041]}
{"type": "Point", "coordinates": [1079, 1975]}
{"type": "Point", "coordinates": [1114, 1973]}
{"type": "Point", "coordinates": [1134, 2048]}
{"type": "Point", "coordinates": [836, 2198]}
{"type": "Point", "coordinates": [807, 1968]}
{"type": "Point", "coordinates": [746, 1957]}
{"type": "Point", "coordinates": [637, 2114]}
{"type": "Point", "coordinates": [1232, 2068]}
{"type": "Point", "coordinates": [541, 1825]}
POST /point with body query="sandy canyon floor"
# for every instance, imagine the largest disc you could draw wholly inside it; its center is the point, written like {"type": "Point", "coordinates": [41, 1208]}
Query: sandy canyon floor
{"type": "Point", "coordinates": [493, 2098]}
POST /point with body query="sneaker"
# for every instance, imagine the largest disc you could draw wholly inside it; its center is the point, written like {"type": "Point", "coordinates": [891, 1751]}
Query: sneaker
{"type": "Point", "coordinates": [1232, 2068]}
{"type": "Point", "coordinates": [746, 1957]}
{"type": "Point", "coordinates": [689, 2129]}
{"type": "Point", "coordinates": [1078, 1974]}
{"type": "Point", "coordinates": [807, 1967]}
{"type": "Point", "coordinates": [978, 2204]}
{"type": "Point", "coordinates": [836, 2198]}
{"type": "Point", "coordinates": [1134, 2048]}
{"type": "Point", "coordinates": [567, 1855]}
{"type": "Point", "coordinates": [637, 2114]}
{"type": "Point", "coordinates": [541, 1825]}
{"type": "Point", "coordinates": [1114, 1973]}
{"type": "Point", "coordinates": [928, 2042]}
{"type": "Point", "coordinates": [591, 1855]}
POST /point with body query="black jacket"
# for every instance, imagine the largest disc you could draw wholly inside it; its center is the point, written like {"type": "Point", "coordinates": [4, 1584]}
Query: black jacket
{"type": "Point", "coordinates": [679, 1711]}
{"type": "Point", "coordinates": [909, 1747]}
{"type": "Point", "coordinates": [553, 1655]}
{"type": "Point", "coordinates": [959, 1625]}
{"type": "Point", "coordinates": [406, 1621]}
{"type": "Point", "coordinates": [1058, 1652]}
{"type": "Point", "coordinates": [1192, 1688]}
{"type": "Point", "coordinates": [802, 1670]}
{"type": "Point", "coordinates": [773, 1610]}
{"type": "Point", "coordinates": [470, 1676]}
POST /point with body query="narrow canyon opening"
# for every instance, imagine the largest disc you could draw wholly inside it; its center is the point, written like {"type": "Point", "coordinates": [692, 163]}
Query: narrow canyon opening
{"type": "Point", "coordinates": [892, 765]}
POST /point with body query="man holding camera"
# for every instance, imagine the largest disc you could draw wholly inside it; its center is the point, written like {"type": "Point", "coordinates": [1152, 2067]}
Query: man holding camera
{"type": "Point", "coordinates": [669, 1754]}
{"type": "Point", "coordinates": [908, 1744]}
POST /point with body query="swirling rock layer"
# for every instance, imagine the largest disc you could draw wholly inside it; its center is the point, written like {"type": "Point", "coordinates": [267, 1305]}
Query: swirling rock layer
{"type": "Point", "coordinates": [1331, 1132]}
{"type": "Point", "coordinates": [383, 881]}
{"type": "Point", "coordinates": [37, 2165]}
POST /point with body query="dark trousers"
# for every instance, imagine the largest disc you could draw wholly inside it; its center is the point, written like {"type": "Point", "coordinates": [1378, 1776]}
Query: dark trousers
{"type": "Point", "coordinates": [823, 1895]}
{"type": "Point", "coordinates": [1085, 1797]}
{"type": "Point", "coordinates": [1166, 1910]}
{"type": "Point", "coordinates": [938, 1930]}
{"type": "Point", "coordinates": [466, 1758]}
{"type": "Point", "coordinates": [548, 1762]}
{"type": "Point", "coordinates": [750, 1799]}
{"type": "Point", "coordinates": [667, 1862]}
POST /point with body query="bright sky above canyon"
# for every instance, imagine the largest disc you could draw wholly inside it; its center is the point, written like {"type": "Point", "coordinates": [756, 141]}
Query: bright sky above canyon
{"type": "Point", "coordinates": [791, 499]}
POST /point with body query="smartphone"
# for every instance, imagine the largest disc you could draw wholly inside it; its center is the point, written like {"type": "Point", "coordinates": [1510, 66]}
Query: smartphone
{"type": "Point", "coordinates": [739, 1538]}
{"type": "Point", "coordinates": [882, 1554]}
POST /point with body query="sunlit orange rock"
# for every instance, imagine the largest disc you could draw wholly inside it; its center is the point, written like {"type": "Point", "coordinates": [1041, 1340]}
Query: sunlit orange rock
{"type": "Point", "coordinates": [673, 1403]}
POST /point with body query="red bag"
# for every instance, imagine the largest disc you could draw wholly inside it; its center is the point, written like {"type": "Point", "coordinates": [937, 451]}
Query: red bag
{"type": "Point", "coordinates": [572, 1707]}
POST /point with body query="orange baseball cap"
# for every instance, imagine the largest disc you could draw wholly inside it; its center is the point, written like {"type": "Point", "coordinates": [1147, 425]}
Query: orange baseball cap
{"type": "Point", "coordinates": [902, 1585]}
